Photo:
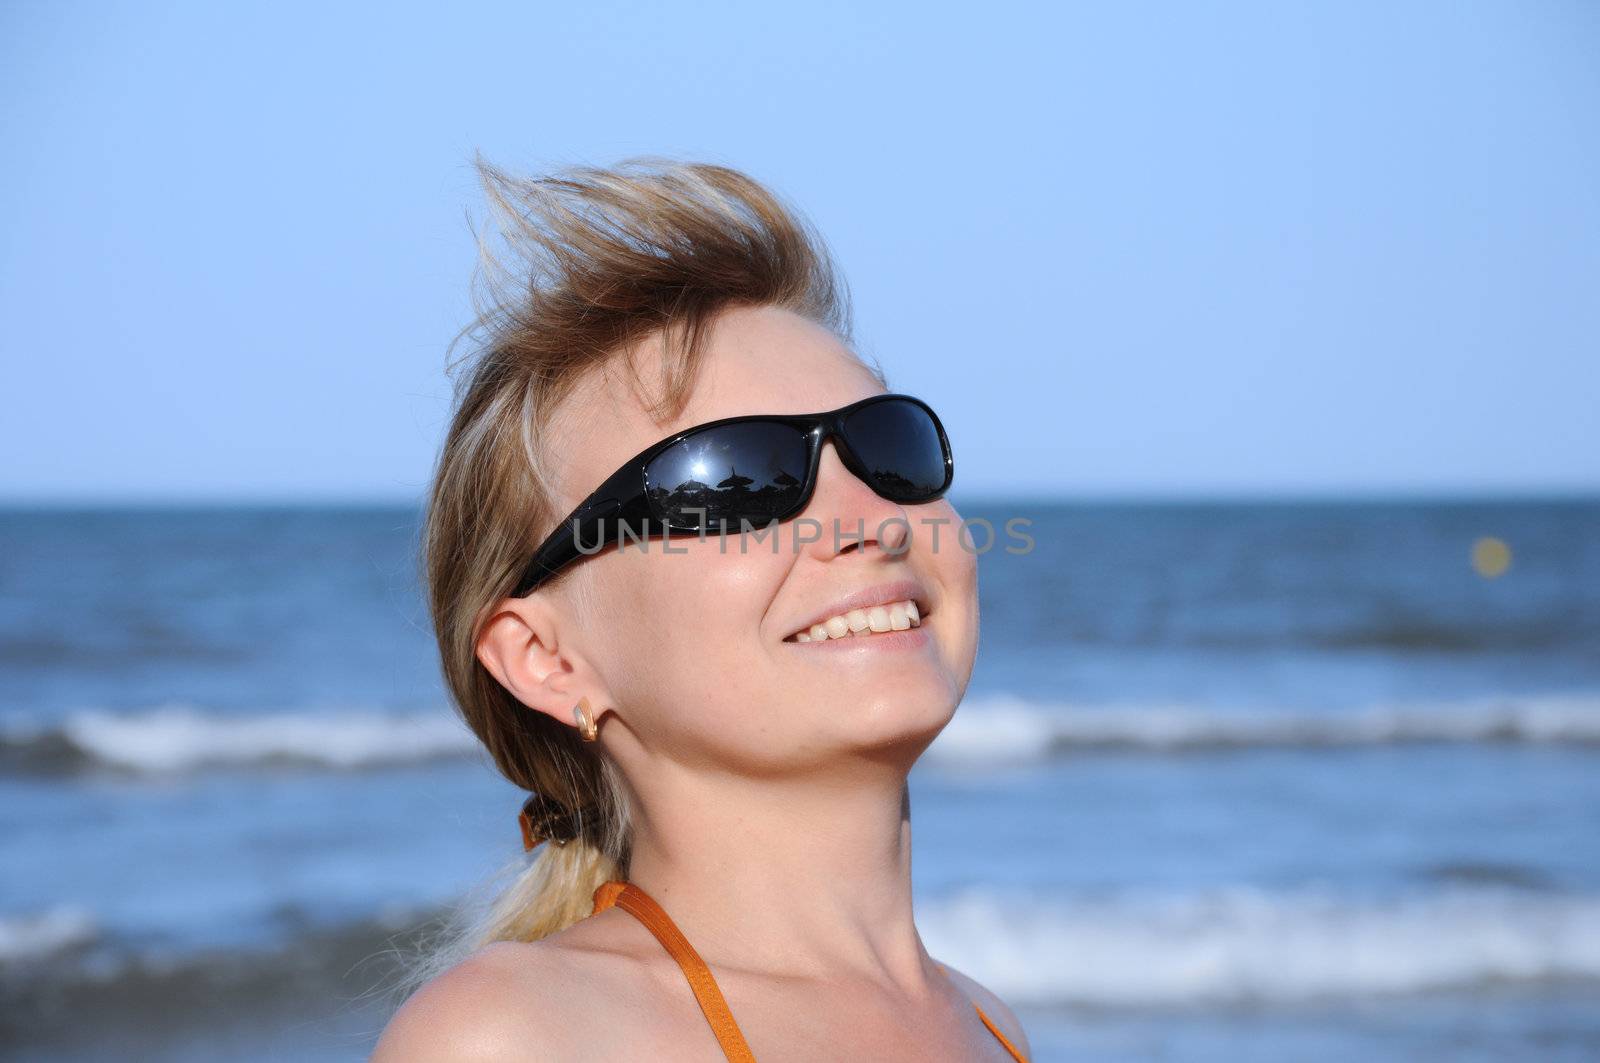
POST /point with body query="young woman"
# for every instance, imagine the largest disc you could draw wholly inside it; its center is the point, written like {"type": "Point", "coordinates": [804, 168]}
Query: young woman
{"type": "Point", "coordinates": [697, 587]}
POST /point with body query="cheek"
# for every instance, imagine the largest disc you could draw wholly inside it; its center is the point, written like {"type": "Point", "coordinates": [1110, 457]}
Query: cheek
{"type": "Point", "coordinates": [689, 632]}
{"type": "Point", "coordinates": [953, 561]}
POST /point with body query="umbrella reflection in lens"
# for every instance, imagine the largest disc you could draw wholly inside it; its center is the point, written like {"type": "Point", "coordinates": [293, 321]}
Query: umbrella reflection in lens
{"type": "Point", "coordinates": [753, 471]}
{"type": "Point", "coordinates": [899, 445]}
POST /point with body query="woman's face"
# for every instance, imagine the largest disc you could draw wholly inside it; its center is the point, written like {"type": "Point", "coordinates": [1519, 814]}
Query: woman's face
{"type": "Point", "coordinates": [694, 648]}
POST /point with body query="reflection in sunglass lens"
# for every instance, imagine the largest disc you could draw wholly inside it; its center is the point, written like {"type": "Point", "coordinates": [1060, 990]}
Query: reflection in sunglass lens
{"type": "Point", "coordinates": [755, 471]}
{"type": "Point", "coordinates": [899, 445]}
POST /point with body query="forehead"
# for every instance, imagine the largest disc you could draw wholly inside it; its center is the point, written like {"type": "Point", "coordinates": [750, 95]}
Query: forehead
{"type": "Point", "coordinates": [756, 360]}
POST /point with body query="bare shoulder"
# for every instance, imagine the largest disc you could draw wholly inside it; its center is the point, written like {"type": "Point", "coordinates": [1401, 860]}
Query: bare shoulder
{"type": "Point", "coordinates": [568, 996]}
{"type": "Point", "coordinates": [491, 1007]}
{"type": "Point", "coordinates": [995, 1008]}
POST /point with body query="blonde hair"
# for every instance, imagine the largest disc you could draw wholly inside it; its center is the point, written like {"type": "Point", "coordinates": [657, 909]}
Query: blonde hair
{"type": "Point", "coordinates": [592, 261]}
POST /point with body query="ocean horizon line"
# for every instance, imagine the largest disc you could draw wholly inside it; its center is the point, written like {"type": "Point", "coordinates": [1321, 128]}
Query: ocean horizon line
{"type": "Point", "coordinates": [207, 503]}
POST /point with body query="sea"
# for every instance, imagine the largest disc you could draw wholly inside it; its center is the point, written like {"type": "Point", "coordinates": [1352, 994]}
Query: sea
{"type": "Point", "coordinates": [1234, 780]}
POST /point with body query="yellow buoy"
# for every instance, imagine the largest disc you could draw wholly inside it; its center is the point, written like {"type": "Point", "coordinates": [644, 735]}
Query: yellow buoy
{"type": "Point", "coordinates": [1490, 556]}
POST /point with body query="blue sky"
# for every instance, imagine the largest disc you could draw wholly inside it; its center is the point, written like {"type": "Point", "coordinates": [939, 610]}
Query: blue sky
{"type": "Point", "coordinates": [1126, 249]}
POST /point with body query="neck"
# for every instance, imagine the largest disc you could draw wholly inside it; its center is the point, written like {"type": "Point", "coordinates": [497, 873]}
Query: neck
{"type": "Point", "coordinates": [803, 876]}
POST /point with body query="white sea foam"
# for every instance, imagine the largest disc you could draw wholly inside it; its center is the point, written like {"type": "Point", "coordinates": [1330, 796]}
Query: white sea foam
{"type": "Point", "coordinates": [181, 738]}
{"type": "Point", "coordinates": [39, 935]}
{"type": "Point", "coordinates": [176, 738]}
{"type": "Point", "coordinates": [1244, 945]}
{"type": "Point", "coordinates": [1148, 949]}
{"type": "Point", "coordinates": [1012, 728]}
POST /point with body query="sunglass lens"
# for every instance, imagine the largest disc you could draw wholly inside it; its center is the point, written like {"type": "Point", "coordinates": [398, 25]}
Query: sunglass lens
{"type": "Point", "coordinates": [900, 445]}
{"type": "Point", "coordinates": [715, 478]}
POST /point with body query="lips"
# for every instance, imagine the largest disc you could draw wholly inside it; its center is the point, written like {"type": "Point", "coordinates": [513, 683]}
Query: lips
{"type": "Point", "coordinates": [884, 607]}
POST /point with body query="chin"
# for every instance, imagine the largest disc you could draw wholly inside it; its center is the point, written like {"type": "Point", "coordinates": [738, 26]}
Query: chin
{"type": "Point", "coordinates": [909, 717]}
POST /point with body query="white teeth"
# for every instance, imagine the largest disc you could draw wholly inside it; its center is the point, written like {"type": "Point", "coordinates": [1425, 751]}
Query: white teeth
{"type": "Point", "coordinates": [896, 616]}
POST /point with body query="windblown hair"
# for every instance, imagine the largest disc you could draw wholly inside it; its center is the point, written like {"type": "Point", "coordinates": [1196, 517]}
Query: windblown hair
{"type": "Point", "coordinates": [589, 262]}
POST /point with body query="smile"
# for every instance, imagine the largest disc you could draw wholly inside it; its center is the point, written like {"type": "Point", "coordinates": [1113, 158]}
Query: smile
{"type": "Point", "coordinates": [862, 623]}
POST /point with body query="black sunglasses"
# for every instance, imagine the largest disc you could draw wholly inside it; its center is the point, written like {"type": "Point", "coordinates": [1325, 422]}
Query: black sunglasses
{"type": "Point", "coordinates": [893, 443]}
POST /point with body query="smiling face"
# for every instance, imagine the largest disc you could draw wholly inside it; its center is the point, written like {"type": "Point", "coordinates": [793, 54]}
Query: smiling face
{"type": "Point", "coordinates": [698, 648]}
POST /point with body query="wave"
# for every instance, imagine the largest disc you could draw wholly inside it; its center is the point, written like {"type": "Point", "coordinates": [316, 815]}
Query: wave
{"type": "Point", "coordinates": [1118, 949]}
{"type": "Point", "coordinates": [1003, 728]}
{"type": "Point", "coordinates": [180, 738]}
{"type": "Point", "coordinates": [52, 932]}
{"type": "Point", "coordinates": [325, 986]}
{"type": "Point", "coordinates": [177, 738]}
{"type": "Point", "coordinates": [1252, 946]}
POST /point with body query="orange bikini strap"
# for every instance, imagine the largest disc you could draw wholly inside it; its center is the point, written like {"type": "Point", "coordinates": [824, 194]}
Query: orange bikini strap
{"type": "Point", "coordinates": [631, 898]}
{"type": "Point", "coordinates": [642, 906]}
{"type": "Point", "coordinates": [1016, 1053]}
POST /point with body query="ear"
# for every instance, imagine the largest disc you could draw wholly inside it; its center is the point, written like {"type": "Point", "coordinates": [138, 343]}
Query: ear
{"type": "Point", "coordinates": [522, 647]}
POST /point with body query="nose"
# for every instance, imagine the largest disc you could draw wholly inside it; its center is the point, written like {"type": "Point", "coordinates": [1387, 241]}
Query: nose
{"type": "Point", "coordinates": [851, 514]}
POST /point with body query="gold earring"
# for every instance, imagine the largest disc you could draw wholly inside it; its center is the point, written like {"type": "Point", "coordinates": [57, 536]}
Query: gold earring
{"type": "Point", "coordinates": [587, 727]}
